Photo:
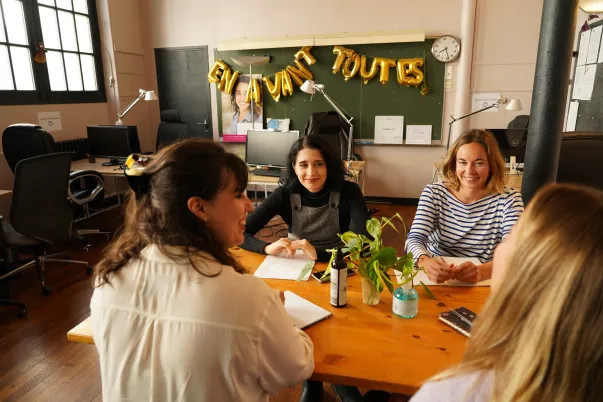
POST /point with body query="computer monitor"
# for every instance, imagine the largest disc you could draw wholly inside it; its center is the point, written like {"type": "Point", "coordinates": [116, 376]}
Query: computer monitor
{"type": "Point", "coordinates": [113, 141]}
{"type": "Point", "coordinates": [269, 148]}
{"type": "Point", "coordinates": [512, 142]}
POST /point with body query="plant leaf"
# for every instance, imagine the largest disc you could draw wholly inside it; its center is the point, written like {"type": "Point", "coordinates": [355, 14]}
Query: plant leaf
{"type": "Point", "coordinates": [386, 257]}
{"type": "Point", "coordinates": [429, 294]}
{"type": "Point", "coordinates": [373, 226]}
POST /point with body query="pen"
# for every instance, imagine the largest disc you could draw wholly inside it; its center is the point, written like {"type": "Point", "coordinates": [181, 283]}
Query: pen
{"type": "Point", "coordinates": [459, 315]}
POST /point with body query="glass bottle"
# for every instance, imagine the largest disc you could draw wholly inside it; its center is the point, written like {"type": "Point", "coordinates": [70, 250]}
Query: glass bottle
{"type": "Point", "coordinates": [406, 301]}
{"type": "Point", "coordinates": [339, 281]}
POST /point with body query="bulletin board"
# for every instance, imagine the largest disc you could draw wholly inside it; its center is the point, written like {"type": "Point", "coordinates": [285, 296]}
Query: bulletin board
{"type": "Point", "coordinates": [362, 101]}
{"type": "Point", "coordinates": [590, 111]}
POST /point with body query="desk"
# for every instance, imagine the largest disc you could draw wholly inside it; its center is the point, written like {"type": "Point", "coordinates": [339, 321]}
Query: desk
{"type": "Point", "coordinates": [368, 346]}
{"type": "Point", "coordinates": [83, 164]}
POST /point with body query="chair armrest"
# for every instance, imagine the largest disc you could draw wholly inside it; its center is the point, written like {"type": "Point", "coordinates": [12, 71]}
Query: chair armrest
{"type": "Point", "coordinates": [81, 174]}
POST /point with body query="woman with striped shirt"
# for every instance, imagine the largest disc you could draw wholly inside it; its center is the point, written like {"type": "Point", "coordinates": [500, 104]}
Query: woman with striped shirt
{"type": "Point", "coordinates": [468, 214]}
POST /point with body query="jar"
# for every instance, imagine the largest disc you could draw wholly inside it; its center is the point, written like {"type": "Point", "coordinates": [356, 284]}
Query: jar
{"type": "Point", "coordinates": [406, 301]}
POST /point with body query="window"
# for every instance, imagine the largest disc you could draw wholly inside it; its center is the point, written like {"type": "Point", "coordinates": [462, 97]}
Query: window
{"type": "Point", "coordinates": [68, 32]}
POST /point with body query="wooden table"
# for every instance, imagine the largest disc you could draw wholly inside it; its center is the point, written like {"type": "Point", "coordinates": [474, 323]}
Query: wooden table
{"type": "Point", "coordinates": [368, 346]}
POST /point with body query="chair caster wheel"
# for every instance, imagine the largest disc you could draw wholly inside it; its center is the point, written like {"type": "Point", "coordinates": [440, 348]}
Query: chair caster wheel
{"type": "Point", "coordinates": [86, 249]}
{"type": "Point", "coordinates": [22, 312]}
{"type": "Point", "coordinates": [107, 236]}
{"type": "Point", "coordinates": [46, 290]}
{"type": "Point", "coordinates": [89, 270]}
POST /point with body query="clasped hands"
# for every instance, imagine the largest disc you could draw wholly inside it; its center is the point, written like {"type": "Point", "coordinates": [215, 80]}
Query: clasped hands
{"type": "Point", "coordinates": [289, 247]}
{"type": "Point", "coordinates": [438, 271]}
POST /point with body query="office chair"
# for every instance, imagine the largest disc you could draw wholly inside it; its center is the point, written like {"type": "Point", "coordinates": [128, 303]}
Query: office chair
{"type": "Point", "coordinates": [171, 129]}
{"type": "Point", "coordinates": [40, 214]}
{"type": "Point", "coordinates": [5, 295]}
{"type": "Point", "coordinates": [21, 141]}
{"type": "Point", "coordinates": [333, 128]}
{"type": "Point", "coordinates": [581, 159]}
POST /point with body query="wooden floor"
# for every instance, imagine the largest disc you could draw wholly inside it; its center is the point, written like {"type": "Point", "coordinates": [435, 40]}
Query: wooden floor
{"type": "Point", "coordinates": [37, 363]}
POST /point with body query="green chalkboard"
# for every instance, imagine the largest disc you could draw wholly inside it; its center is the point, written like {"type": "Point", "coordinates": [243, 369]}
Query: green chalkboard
{"type": "Point", "coordinates": [362, 101]}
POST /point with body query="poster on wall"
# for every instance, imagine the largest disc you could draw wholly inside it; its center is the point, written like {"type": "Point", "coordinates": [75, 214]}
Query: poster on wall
{"type": "Point", "coordinates": [237, 112]}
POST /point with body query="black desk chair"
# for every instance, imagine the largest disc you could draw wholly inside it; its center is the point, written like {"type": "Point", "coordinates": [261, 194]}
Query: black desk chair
{"type": "Point", "coordinates": [581, 159]}
{"type": "Point", "coordinates": [333, 129]}
{"type": "Point", "coordinates": [171, 129]}
{"type": "Point", "coordinates": [21, 141]}
{"type": "Point", "coordinates": [40, 214]}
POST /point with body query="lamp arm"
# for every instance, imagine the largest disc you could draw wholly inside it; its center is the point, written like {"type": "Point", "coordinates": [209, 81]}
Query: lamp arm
{"type": "Point", "coordinates": [349, 137]}
{"type": "Point", "coordinates": [130, 106]}
{"type": "Point", "coordinates": [455, 119]}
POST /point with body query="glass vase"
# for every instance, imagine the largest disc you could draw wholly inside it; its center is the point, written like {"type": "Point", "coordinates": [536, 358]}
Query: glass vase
{"type": "Point", "coordinates": [406, 301]}
{"type": "Point", "coordinates": [370, 294]}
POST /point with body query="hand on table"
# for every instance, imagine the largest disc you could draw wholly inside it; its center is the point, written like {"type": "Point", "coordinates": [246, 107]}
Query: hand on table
{"type": "Point", "coordinates": [283, 245]}
{"type": "Point", "coordinates": [305, 246]}
{"type": "Point", "coordinates": [467, 272]}
{"type": "Point", "coordinates": [436, 269]}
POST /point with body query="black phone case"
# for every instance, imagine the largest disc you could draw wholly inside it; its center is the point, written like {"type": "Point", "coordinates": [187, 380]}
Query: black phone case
{"type": "Point", "coordinates": [449, 318]}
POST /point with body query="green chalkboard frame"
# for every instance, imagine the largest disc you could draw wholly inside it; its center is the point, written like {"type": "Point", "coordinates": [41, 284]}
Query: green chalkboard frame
{"type": "Point", "coordinates": [362, 101]}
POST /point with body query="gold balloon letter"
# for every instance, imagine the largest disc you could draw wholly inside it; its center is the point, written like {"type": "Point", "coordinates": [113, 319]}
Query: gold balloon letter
{"type": "Point", "coordinates": [401, 71]}
{"type": "Point", "coordinates": [300, 73]}
{"type": "Point", "coordinates": [342, 53]}
{"type": "Point", "coordinates": [216, 71]}
{"type": "Point", "coordinates": [254, 92]}
{"type": "Point", "coordinates": [347, 73]}
{"type": "Point", "coordinates": [367, 75]}
{"type": "Point", "coordinates": [227, 81]}
{"type": "Point", "coordinates": [287, 86]}
{"type": "Point", "coordinates": [416, 71]}
{"type": "Point", "coordinates": [384, 64]}
{"type": "Point", "coordinates": [274, 89]}
{"type": "Point", "coordinates": [304, 53]}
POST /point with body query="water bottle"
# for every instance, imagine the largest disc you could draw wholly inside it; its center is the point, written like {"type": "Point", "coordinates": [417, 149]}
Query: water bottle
{"type": "Point", "coordinates": [339, 281]}
{"type": "Point", "coordinates": [406, 301]}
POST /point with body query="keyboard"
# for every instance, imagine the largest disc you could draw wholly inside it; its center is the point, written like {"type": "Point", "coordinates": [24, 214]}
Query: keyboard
{"type": "Point", "coordinates": [266, 172]}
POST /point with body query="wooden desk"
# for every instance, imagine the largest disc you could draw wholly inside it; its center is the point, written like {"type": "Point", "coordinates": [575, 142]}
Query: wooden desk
{"type": "Point", "coordinates": [83, 164]}
{"type": "Point", "coordinates": [368, 346]}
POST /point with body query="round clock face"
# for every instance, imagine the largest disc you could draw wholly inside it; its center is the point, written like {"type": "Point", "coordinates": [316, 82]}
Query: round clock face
{"type": "Point", "coordinates": [446, 48]}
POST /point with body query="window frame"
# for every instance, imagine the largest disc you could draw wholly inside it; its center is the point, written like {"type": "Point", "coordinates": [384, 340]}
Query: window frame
{"type": "Point", "coordinates": [42, 94]}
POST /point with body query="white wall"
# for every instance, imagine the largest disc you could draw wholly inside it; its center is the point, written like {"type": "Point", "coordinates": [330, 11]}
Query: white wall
{"type": "Point", "coordinates": [504, 58]}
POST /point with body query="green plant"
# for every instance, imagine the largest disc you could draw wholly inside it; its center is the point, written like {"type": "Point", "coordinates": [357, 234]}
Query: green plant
{"type": "Point", "coordinates": [372, 260]}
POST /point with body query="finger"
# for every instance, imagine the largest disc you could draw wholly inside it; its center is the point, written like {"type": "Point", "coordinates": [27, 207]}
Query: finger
{"type": "Point", "coordinates": [282, 295]}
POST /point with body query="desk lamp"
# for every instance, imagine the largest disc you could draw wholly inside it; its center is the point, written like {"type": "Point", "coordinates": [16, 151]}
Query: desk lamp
{"type": "Point", "coordinates": [512, 104]}
{"type": "Point", "coordinates": [146, 95]}
{"type": "Point", "coordinates": [311, 88]}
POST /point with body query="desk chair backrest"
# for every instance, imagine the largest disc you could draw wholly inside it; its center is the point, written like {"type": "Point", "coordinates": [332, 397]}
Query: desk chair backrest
{"type": "Point", "coordinates": [332, 128]}
{"type": "Point", "coordinates": [20, 141]}
{"type": "Point", "coordinates": [39, 207]}
{"type": "Point", "coordinates": [581, 159]}
{"type": "Point", "coordinates": [171, 129]}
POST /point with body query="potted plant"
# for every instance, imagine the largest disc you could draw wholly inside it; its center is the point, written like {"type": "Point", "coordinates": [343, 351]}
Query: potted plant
{"type": "Point", "coordinates": [374, 261]}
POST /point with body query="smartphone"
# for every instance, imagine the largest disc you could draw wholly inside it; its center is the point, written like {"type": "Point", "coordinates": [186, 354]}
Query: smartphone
{"type": "Point", "coordinates": [318, 275]}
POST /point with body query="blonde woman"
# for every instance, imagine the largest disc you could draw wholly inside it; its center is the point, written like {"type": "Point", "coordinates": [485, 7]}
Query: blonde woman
{"type": "Point", "coordinates": [540, 335]}
{"type": "Point", "coordinates": [468, 214]}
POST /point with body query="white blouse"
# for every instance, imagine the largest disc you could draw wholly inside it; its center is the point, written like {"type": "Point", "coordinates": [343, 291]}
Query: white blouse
{"type": "Point", "coordinates": [166, 333]}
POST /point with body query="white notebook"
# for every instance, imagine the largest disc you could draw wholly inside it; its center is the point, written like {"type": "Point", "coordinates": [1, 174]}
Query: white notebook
{"type": "Point", "coordinates": [303, 312]}
{"type": "Point", "coordinates": [281, 267]}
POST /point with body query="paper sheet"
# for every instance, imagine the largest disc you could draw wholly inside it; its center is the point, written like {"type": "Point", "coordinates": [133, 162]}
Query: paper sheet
{"type": "Point", "coordinates": [583, 50]}
{"type": "Point", "coordinates": [593, 46]}
{"type": "Point", "coordinates": [389, 129]}
{"type": "Point", "coordinates": [588, 83]}
{"type": "Point", "coordinates": [578, 79]}
{"type": "Point", "coordinates": [601, 51]}
{"type": "Point", "coordinates": [280, 267]}
{"type": "Point", "coordinates": [422, 276]}
{"type": "Point", "coordinates": [418, 134]}
{"type": "Point", "coordinates": [50, 121]}
{"type": "Point", "coordinates": [572, 116]}
{"type": "Point", "coordinates": [303, 312]}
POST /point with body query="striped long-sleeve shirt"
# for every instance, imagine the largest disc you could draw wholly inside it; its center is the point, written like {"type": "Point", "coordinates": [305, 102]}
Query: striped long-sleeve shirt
{"type": "Point", "coordinates": [445, 226]}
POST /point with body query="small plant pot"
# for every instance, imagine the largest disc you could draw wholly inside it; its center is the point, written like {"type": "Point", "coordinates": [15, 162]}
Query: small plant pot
{"type": "Point", "coordinates": [370, 294]}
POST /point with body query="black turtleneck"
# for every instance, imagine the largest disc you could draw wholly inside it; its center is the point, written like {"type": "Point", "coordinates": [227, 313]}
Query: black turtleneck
{"type": "Point", "coordinates": [352, 213]}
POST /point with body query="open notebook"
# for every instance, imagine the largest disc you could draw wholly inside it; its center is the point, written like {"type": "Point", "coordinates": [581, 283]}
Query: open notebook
{"type": "Point", "coordinates": [422, 276]}
{"type": "Point", "coordinates": [303, 312]}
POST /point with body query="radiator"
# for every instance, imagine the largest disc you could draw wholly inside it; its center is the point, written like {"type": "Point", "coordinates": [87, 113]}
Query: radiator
{"type": "Point", "coordinates": [79, 146]}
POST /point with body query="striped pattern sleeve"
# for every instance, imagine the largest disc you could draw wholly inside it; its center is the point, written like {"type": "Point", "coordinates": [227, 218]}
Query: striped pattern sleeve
{"type": "Point", "coordinates": [512, 209]}
{"type": "Point", "coordinates": [426, 219]}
